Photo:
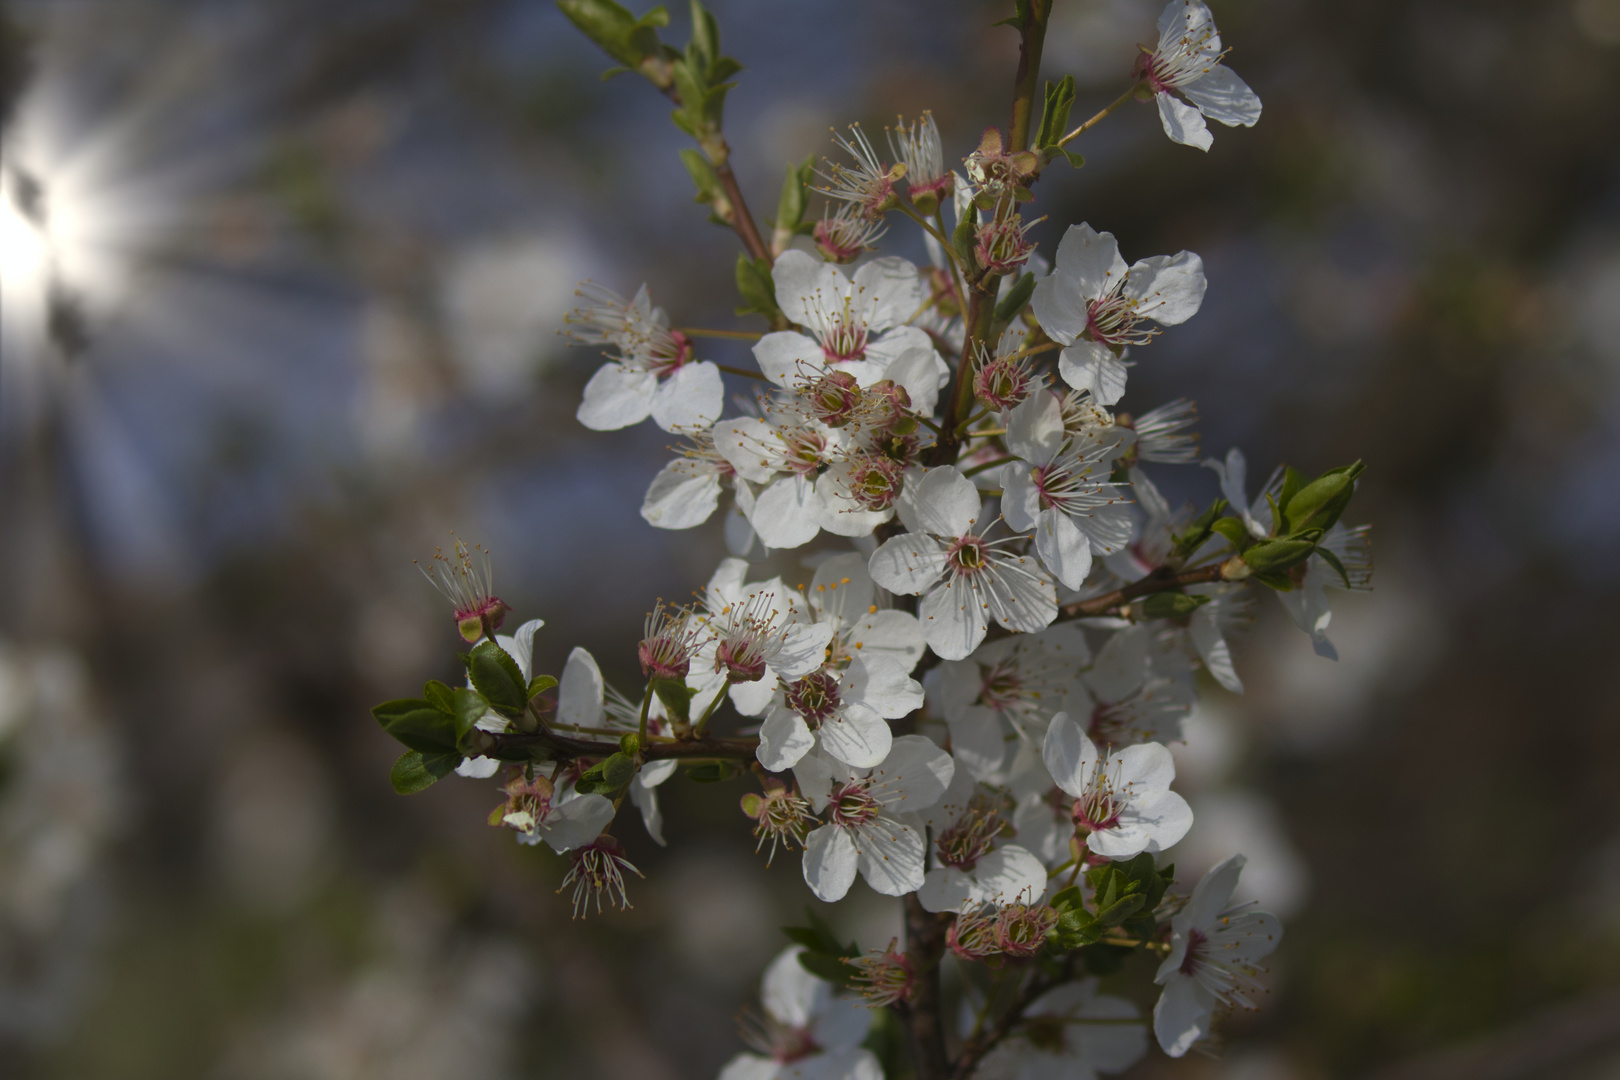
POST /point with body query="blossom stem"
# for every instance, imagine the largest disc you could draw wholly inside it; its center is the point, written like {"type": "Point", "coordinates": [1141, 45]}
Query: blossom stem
{"type": "Point", "coordinates": [981, 311]}
{"type": "Point", "coordinates": [987, 465]}
{"type": "Point", "coordinates": [1027, 81]}
{"type": "Point", "coordinates": [986, 433]}
{"type": "Point", "coordinates": [646, 706]}
{"type": "Point", "coordinates": [744, 372]}
{"type": "Point", "coordinates": [744, 223]}
{"type": "Point", "coordinates": [956, 273]}
{"type": "Point", "coordinates": [1161, 580]}
{"type": "Point", "coordinates": [1032, 350]}
{"type": "Point", "coordinates": [703, 721]}
{"type": "Point", "coordinates": [740, 335]}
{"type": "Point", "coordinates": [1089, 124]}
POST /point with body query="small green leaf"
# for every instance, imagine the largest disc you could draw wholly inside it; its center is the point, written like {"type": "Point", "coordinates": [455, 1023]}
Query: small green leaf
{"type": "Point", "coordinates": [418, 724]}
{"type": "Point", "coordinates": [1338, 567]}
{"type": "Point", "coordinates": [1319, 503]}
{"type": "Point", "coordinates": [441, 696]}
{"type": "Point", "coordinates": [676, 697]}
{"type": "Point", "coordinates": [1055, 112]}
{"type": "Point", "coordinates": [830, 968]}
{"type": "Point", "coordinates": [540, 684]}
{"type": "Point", "coordinates": [714, 772]}
{"type": "Point", "coordinates": [1234, 530]}
{"type": "Point", "coordinates": [415, 771]}
{"type": "Point", "coordinates": [1197, 532]}
{"type": "Point", "coordinates": [755, 285]}
{"type": "Point", "coordinates": [498, 677]}
{"type": "Point", "coordinates": [1170, 605]}
{"type": "Point", "coordinates": [607, 776]}
{"type": "Point", "coordinates": [1276, 556]}
{"type": "Point", "coordinates": [629, 40]}
{"type": "Point", "coordinates": [470, 707]}
{"type": "Point", "coordinates": [1014, 297]}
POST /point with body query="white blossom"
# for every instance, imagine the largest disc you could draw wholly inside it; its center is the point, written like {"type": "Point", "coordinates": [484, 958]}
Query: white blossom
{"type": "Point", "coordinates": [758, 633]}
{"type": "Point", "coordinates": [974, 865]}
{"type": "Point", "coordinates": [967, 580]}
{"type": "Point", "coordinates": [1307, 602]}
{"type": "Point", "coordinates": [1121, 798]}
{"type": "Point", "coordinates": [654, 373]}
{"type": "Point", "coordinates": [1094, 304]}
{"type": "Point", "coordinates": [804, 1033]}
{"type": "Point", "coordinates": [1070, 1032]}
{"type": "Point", "coordinates": [858, 325]}
{"type": "Point", "coordinates": [1188, 79]}
{"type": "Point", "coordinates": [1008, 689]}
{"type": "Point", "coordinates": [1061, 489]}
{"type": "Point", "coordinates": [1213, 949]}
{"type": "Point", "coordinates": [864, 831]}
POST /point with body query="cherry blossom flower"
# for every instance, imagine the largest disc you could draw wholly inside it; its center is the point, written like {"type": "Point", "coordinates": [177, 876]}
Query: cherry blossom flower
{"type": "Point", "coordinates": [967, 580]}
{"type": "Point", "coordinates": [1070, 1033]}
{"type": "Point", "coordinates": [804, 1032]}
{"type": "Point", "coordinates": [1095, 305]}
{"type": "Point", "coordinates": [1008, 689]}
{"type": "Point", "coordinates": [539, 812]}
{"type": "Point", "coordinates": [864, 830]}
{"type": "Point", "coordinates": [1204, 632]}
{"type": "Point", "coordinates": [1122, 799]}
{"type": "Point", "coordinates": [786, 456]}
{"type": "Point", "coordinates": [654, 373]}
{"type": "Point", "coordinates": [686, 491]}
{"type": "Point", "coordinates": [974, 863]}
{"type": "Point", "coordinates": [468, 582]}
{"type": "Point", "coordinates": [1188, 79]}
{"type": "Point", "coordinates": [1061, 489]}
{"type": "Point", "coordinates": [869, 185]}
{"type": "Point", "coordinates": [1211, 963]}
{"type": "Point", "coordinates": [1234, 473]}
{"type": "Point", "coordinates": [764, 630]}
{"type": "Point", "coordinates": [856, 325]}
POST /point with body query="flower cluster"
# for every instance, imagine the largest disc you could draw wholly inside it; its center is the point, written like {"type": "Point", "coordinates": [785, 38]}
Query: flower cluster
{"type": "Point", "coordinates": [969, 703]}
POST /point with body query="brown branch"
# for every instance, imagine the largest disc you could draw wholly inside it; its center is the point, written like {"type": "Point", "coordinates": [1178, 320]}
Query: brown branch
{"type": "Point", "coordinates": [1025, 83]}
{"type": "Point", "coordinates": [983, 1042]}
{"type": "Point", "coordinates": [1161, 580]}
{"type": "Point", "coordinates": [923, 1012]}
{"type": "Point", "coordinates": [519, 746]}
{"type": "Point", "coordinates": [744, 223]}
{"type": "Point", "coordinates": [980, 314]}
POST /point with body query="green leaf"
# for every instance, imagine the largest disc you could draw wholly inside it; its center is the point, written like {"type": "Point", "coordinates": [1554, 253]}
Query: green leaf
{"type": "Point", "coordinates": [676, 697]}
{"type": "Point", "coordinates": [1276, 556]}
{"type": "Point", "coordinates": [1197, 532]}
{"type": "Point", "coordinates": [830, 968]}
{"type": "Point", "coordinates": [1014, 298]}
{"type": "Point", "coordinates": [705, 35]}
{"type": "Point", "coordinates": [824, 954]}
{"type": "Point", "coordinates": [617, 32]}
{"type": "Point", "coordinates": [498, 677]}
{"type": "Point", "coordinates": [714, 772]}
{"type": "Point", "coordinates": [1234, 530]}
{"type": "Point", "coordinates": [1055, 113]}
{"type": "Point", "coordinates": [470, 708]}
{"type": "Point", "coordinates": [441, 696]}
{"type": "Point", "coordinates": [962, 238]}
{"type": "Point", "coordinates": [607, 776]}
{"type": "Point", "coordinates": [755, 286]}
{"type": "Point", "coordinates": [790, 203]}
{"type": "Point", "coordinates": [415, 771]}
{"type": "Point", "coordinates": [418, 724]}
{"type": "Point", "coordinates": [1170, 605]}
{"type": "Point", "coordinates": [1319, 503]}
{"type": "Point", "coordinates": [540, 684]}
{"type": "Point", "coordinates": [1293, 481]}
{"type": "Point", "coordinates": [1333, 561]}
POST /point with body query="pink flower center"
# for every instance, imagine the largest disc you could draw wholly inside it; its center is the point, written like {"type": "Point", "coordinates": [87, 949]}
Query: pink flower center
{"type": "Point", "coordinates": [968, 555]}
{"type": "Point", "coordinates": [853, 804]}
{"type": "Point", "coordinates": [845, 340]}
{"type": "Point", "coordinates": [814, 697]}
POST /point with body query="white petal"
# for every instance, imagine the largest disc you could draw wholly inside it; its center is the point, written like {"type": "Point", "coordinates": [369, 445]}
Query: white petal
{"type": "Point", "coordinates": [1020, 498]}
{"type": "Point", "coordinates": [1110, 528]}
{"type": "Point", "coordinates": [789, 992]}
{"type": "Point", "coordinates": [1205, 630]}
{"type": "Point", "coordinates": [842, 515]}
{"type": "Point", "coordinates": [616, 397]}
{"type": "Point", "coordinates": [914, 775]}
{"type": "Point", "coordinates": [882, 685]}
{"type": "Point", "coordinates": [743, 443]}
{"type": "Point", "coordinates": [478, 768]}
{"type": "Point", "coordinates": [1035, 428]}
{"type": "Point", "coordinates": [829, 863]}
{"type": "Point", "coordinates": [579, 697]}
{"type": "Point", "coordinates": [1183, 123]}
{"type": "Point", "coordinates": [1063, 548]}
{"type": "Point", "coordinates": [1151, 824]}
{"type": "Point", "coordinates": [1091, 365]}
{"type": "Point", "coordinates": [1024, 598]}
{"type": "Point", "coordinates": [804, 648]}
{"type": "Point", "coordinates": [945, 888]}
{"type": "Point", "coordinates": [890, 290]}
{"type": "Point", "coordinates": [787, 513]}
{"type": "Point", "coordinates": [856, 1064]}
{"type": "Point", "coordinates": [1149, 769]}
{"type": "Point", "coordinates": [691, 399]}
{"type": "Point", "coordinates": [1221, 95]}
{"type": "Point", "coordinates": [753, 698]}
{"type": "Point", "coordinates": [681, 496]}
{"type": "Point", "coordinates": [1182, 1014]}
{"type": "Point", "coordinates": [978, 741]}
{"type": "Point", "coordinates": [520, 646]}
{"type": "Point", "coordinates": [644, 797]}
{"type": "Point", "coordinates": [840, 1025]}
{"type": "Point", "coordinates": [907, 563]}
{"type": "Point", "coordinates": [1168, 288]}
{"type": "Point", "coordinates": [1088, 266]}
{"type": "Point", "coordinates": [1211, 895]}
{"type": "Point", "coordinates": [1120, 666]}
{"type": "Point", "coordinates": [841, 586]}
{"type": "Point", "coordinates": [888, 634]}
{"type": "Point", "coordinates": [784, 738]}
{"type": "Point", "coordinates": [1069, 755]}
{"type": "Point", "coordinates": [890, 857]}
{"type": "Point", "coordinates": [916, 371]}
{"type": "Point", "coordinates": [1010, 875]}
{"type": "Point", "coordinates": [576, 822]}
{"type": "Point", "coordinates": [943, 502]}
{"type": "Point", "coordinates": [804, 283]}
{"type": "Point", "coordinates": [857, 736]}
{"type": "Point", "coordinates": [953, 617]}
{"type": "Point", "coordinates": [750, 1067]}
{"type": "Point", "coordinates": [788, 358]}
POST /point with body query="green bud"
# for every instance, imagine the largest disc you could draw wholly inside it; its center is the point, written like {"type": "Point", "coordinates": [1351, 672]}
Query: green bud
{"type": "Point", "coordinates": [1272, 556]}
{"type": "Point", "coordinates": [1319, 503]}
{"type": "Point", "coordinates": [1170, 605]}
{"type": "Point", "coordinates": [630, 743]}
{"type": "Point", "coordinates": [752, 804]}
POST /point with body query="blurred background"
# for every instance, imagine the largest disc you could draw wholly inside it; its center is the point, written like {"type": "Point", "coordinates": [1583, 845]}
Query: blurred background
{"type": "Point", "coordinates": [282, 281]}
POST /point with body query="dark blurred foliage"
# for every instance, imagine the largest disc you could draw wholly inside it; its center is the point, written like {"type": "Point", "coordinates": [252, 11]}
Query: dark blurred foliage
{"type": "Point", "coordinates": [331, 354]}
